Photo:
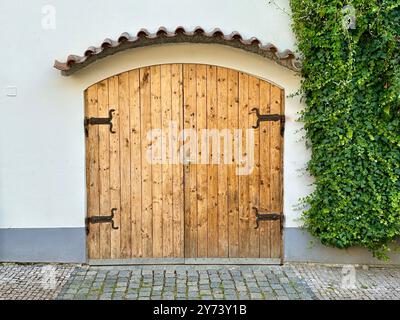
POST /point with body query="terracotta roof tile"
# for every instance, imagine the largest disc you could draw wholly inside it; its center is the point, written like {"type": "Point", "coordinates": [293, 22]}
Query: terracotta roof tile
{"type": "Point", "coordinates": [180, 35]}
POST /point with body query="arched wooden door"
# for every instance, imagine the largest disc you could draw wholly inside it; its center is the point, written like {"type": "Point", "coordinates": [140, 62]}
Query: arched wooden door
{"type": "Point", "coordinates": [192, 153]}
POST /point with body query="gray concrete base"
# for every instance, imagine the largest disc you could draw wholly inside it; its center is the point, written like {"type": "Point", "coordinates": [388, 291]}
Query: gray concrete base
{"type": "Point", "coordinates": [66, 245]}
{"type": "Point", "coordinates": [225, 261]}
{"type": "Point", "coordinates": [300, 246]}
{"type": "Point", "coordinates": [181, 261]}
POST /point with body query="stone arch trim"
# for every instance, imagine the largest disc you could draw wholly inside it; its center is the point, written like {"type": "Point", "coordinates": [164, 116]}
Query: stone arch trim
{"type": "Point", "coordinates": [144, 38]}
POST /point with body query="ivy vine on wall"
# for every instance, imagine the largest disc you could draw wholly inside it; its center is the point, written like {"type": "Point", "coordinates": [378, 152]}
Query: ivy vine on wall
{"type": "Point", "coordinates": [350, 53]}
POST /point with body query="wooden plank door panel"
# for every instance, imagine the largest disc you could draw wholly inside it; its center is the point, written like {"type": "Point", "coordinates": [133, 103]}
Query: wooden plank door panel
{"type": "Point", "coordinates": [148, 195]}
{"type": "Point", "coordinates": [225, 226]}
{"type": "Point", "coordinates": [174, 197]}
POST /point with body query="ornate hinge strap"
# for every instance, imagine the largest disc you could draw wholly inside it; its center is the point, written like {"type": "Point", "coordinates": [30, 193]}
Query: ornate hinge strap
{"type": "Point", "coordinates": [102, 219]}
{"type": "Point", "coordinates": [267, 217]}
{"type": "Point", "coordinates": [269, 117]}
{"type": "Point", "coordinates": [100, 121]}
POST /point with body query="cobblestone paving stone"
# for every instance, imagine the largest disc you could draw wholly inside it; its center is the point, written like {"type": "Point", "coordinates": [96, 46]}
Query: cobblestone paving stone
{"type": "Point", "coordinates": [371, 283]}
{"type": "Point", "coordinates": [288, 282]}
{"type": "Point", "coordinates": [186, 282]}
{"type": "Point", "coordinates": [32, 282]}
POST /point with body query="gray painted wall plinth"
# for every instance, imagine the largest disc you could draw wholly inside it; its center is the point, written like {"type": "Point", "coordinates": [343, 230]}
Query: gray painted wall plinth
{"type": "Point", "coordinates": [66, 245]}
{"type": "Point", "coordinates": [299, 249]}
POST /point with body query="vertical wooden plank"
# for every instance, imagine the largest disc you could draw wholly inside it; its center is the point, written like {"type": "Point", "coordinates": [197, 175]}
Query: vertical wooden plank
{"type": "Point", "coordinates": [254, 183]}
{"type": "Point", "coordinates": [265, 171]}
{"type": "Point", "coordinates": [156, 114]}
{"type": "Point", "coordinates": [202, 180]}
{"type": "Point", "coordinates": [167, 185]}
{"type": "Point", "coordinates": [276, 169]}
{"type": "Point", "coordinates": [233, 181]}
{"type": "Point", "coordinates": [244, 210]}
{"type": "Point", "coordinates": [93, 205]}
{"type": "Point", "coordinates": [147, 208]}
{"type": "Point", "coordinates": [104, 170]}
{"type": "Point", "coordinates": [222, 98]}
{"type": "Point", "coordinates": [125, 160]}
{"type": "Point", "coordinates": [178, 178]}
{"type": "Point", "coordinates": [115, 177]}
{"type": "Point", "coordinates": [212, 196]}
{"type": "Point", "coordinates": [136, 163]}
{"type": "Point", "coordinates": [190, 169]}
{"type": "Point", "coordinates": [87, 159]}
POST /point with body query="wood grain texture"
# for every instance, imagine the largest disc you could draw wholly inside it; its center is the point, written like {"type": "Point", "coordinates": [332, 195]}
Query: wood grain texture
{"type": "Point", "coordinates": [125, 164]}
{"type": "Point", "coordinates": [190, 123]}
{"type": "Point", "coordinates": [156, 117]}
{"type": "Point", "coordinates": [244, 208]}
{"type": "Point", "coordinates": [167, 169]}
{"type": "Point", "coordinates": [233, 181]}
{"type": "Point", "coordinates": [104, 169]}
{"type": "Point", "coordinates": [178, 175]}
{"type": "Point", "coordinates": [93, 201]}
{"type": "Point", "coordinates": [276, 171]}
{"type": "Point", "coordinates": [136, 163]}
{"type": "Point", "coordinates": [254, 178]}
{"type": "Point", "coordinates": [147, 200]}
{"type": "Point", "coordinates": [222, 101]}
{"type": "Point", "coordinates": [265, 172]}
{"type": "Point", "coordinates": [115, 174]}
{"type": "Point", "coordinates": [212, 170]}
{"type": "Point", "coordinates": [202, 180]}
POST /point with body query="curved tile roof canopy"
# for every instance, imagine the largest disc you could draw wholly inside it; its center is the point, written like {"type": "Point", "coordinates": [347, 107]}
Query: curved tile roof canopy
{"type": "Point", "coordinates": [180, 35]}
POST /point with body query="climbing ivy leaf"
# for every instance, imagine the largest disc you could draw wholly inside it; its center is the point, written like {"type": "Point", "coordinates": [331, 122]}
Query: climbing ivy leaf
{"type": "Point", "coordinates": [351, 86]}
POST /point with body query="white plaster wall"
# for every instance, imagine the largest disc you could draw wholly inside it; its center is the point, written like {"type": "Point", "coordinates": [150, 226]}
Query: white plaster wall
{"type": "Point", "coordinates": [42, 168]}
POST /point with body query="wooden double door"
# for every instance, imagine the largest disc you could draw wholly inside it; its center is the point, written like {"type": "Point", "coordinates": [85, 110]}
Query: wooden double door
{"type": "Point", "coordinates": [175, 166]}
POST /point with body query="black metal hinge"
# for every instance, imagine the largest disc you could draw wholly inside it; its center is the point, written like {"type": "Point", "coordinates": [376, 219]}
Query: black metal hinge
{"type": "Point", "coordinates": [267, 217]}
{"type": "Point", "coordinates": [269, 117]}
{"type": "Point", "coordinates": [100, 121]}
{"type": "Point", "coordinates": [102, 219]}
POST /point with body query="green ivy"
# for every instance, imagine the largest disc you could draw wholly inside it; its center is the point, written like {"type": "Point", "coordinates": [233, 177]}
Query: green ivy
{"type": "Point", "coordinates": [351, 87]}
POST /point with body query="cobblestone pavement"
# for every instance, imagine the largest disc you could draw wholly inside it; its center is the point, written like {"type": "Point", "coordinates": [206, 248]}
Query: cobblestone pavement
{"type": "Point", "coordinates": [294, 281]}
{"type": "Point", "coordinates": [186, 282]}
{"type": "Point", "coordinates": [32, 282]}
{"type": "Point", "coordinates": [360, 283]}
